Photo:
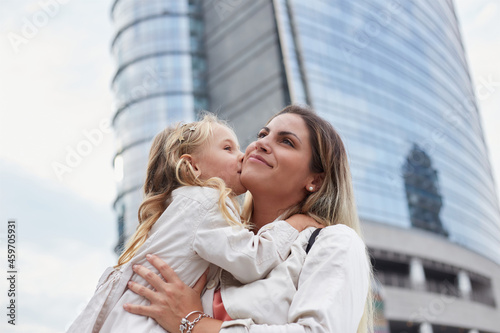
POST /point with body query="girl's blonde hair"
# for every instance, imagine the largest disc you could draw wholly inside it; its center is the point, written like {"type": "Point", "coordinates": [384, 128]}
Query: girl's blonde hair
{"type": "Point", "coordinates": [167, 170]}
{"type": "Point", "coordinates": [333, 203]}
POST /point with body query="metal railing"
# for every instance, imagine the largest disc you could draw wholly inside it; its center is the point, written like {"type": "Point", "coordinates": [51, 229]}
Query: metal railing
{"type": "Point", "coordinates": [438, 287]}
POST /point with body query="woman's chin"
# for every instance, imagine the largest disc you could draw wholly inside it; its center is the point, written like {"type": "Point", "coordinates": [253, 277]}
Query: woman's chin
{"type": "Point", "coordinates": [249, 179]}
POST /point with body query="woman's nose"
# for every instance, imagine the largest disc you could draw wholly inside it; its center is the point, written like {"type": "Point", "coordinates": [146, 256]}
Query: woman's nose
{"type": "Point", "coordinates": [263, 144]}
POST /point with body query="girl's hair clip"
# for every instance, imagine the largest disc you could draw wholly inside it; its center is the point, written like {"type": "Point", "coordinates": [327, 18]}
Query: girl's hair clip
{"type": "Point", "coordinates": [191, 129]}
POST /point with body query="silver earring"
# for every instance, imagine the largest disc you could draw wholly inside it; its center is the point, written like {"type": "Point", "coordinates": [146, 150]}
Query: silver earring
{"type": "Point", "coordinates": [311, 188]}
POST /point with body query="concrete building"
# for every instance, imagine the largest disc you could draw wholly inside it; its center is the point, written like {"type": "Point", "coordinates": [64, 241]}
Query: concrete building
{"type": "Point", "coordinates": [392, 78]}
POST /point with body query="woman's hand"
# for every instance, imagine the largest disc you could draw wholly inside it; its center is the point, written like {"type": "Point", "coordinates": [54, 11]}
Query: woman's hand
{"type": "Point", "coordinates": [301, 222]}
{"type": "Point", "coordinates": [171, 300]}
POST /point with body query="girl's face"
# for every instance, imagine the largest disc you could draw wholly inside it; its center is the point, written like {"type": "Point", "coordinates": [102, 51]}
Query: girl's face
{"type": "Point", "coordinates": [221, 157]}
{"type": "Point", "coordinates": [277, 164]}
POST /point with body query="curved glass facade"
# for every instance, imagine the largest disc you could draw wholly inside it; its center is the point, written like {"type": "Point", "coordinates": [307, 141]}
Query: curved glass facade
{"type": "Point", "coordinates": [159, 81]}
{"type": "Point", "coordinates": [390, 75]}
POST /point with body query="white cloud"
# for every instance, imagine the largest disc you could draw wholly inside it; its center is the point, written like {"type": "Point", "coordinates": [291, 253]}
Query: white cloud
{"type": "Point", "coordinates": [64, 243]}
{"type": "Point", "coordinates": [53, 287]}
{"type": "Point", "coordinates": [53, 89]}
{"type": "Point", "coordinates": [487, 13]}
{"type": "Point", "coordinates": [480, 28]}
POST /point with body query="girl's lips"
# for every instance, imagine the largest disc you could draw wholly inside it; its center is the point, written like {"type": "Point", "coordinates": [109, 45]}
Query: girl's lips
{"type": "Point", "coordinates": [258, 159]}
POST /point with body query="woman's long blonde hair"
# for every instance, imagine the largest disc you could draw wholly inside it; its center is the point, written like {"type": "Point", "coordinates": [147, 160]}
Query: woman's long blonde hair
{"type": "Point", "coordinates": [167, 171]}
{"type": "Point", "coordinates": [333, 203]}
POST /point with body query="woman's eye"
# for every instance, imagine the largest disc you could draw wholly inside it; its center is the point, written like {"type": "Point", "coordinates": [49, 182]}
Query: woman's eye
{"type": "Point", "coordinates": [260, 135]}
{"type": "Point", "coordinates": [288, 142]}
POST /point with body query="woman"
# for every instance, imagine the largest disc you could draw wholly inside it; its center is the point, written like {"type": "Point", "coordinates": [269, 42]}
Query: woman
{"type": "Point", "coordinates": [297, 165]}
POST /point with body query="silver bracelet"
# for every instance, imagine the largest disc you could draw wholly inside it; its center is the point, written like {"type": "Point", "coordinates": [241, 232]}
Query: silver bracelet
{"type": "Point", "coordinates": [186, 324]}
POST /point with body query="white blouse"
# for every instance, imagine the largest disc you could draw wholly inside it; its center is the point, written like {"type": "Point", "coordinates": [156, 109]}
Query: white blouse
{"type": "Point", "coordinates": [322, 291]}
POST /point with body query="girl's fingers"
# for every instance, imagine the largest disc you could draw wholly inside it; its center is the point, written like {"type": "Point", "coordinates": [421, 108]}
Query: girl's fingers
{"type": "Point", "coordinates": [141, 290]}
{"type": "Point", "coordinates": [200, 284]}
{"type": "Point", "coordinates": [168, 273]}
{"type": "Point", "coordinates": [152, 278]}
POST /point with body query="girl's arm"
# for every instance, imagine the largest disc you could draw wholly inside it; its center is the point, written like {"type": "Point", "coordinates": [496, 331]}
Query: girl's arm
{"type": "Point", "coordinates": [248, 257]}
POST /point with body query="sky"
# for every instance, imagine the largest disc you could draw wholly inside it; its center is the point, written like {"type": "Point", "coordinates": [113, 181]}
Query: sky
{"type": "Point", "coordinates": [56, 148]}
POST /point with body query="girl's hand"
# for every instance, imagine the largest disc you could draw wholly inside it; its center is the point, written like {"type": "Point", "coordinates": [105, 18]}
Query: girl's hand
{"type": "Point", "coordinates": [171, 300]}
{"type": "Point", "coordinates": [301, 222]}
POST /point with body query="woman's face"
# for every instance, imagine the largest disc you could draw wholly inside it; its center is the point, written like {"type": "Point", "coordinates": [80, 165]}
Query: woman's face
{"type": "Point", "coordinates": [277, 164]}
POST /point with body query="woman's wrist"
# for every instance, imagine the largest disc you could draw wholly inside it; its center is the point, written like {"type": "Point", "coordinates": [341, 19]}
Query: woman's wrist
{"type": "Point", "coordinates": [208, 325]}
{"type": "Point", "coordinates": [190, 320]}
{"type": "Point", "coordinates": [198, 322]}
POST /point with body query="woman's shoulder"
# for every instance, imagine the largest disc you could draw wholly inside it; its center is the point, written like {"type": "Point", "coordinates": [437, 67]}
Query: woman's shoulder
{"type": "Point", "coordinates": [340, 229]}
{"type": "Point", "coordinates": [340, 236]}
{"type": "Point", "coordinates": [337, 248]}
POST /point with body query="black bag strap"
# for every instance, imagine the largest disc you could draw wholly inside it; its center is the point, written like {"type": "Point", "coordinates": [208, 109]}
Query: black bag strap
{"type": "Point", "coordinates": [312, 239]}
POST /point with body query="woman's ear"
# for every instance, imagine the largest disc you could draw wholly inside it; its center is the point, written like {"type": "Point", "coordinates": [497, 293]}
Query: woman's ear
{"type": "Point", "coordinates": [315, 182]}
{"type": "Point", "coordinates": [192, 161]}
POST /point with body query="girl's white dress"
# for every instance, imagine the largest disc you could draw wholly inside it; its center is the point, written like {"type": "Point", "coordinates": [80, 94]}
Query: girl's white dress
{"type": "Point", "coordinates": [190, 236]}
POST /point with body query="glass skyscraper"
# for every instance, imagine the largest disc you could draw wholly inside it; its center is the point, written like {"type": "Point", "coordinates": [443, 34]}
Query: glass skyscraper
{"type": "Point", "coordinates": [160, 80]}
{"type": "Point", "coordinates": [392, 78]}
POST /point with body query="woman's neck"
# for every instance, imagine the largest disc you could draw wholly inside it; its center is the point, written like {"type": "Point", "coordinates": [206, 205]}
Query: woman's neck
{"type": "Point", "coordinates": [265, 212]}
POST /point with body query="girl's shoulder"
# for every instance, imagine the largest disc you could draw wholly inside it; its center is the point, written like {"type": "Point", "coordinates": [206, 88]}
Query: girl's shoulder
{"type": "Point", "coordinates": [205, 196]}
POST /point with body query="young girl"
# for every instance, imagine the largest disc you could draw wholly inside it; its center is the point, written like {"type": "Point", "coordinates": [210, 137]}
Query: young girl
{"type": "Point", "coordinates": [190, 219]}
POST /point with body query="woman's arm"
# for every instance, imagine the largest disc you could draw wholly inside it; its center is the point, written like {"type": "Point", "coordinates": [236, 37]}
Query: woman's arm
{"type": "Point", "coordinates": [172, 299]}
